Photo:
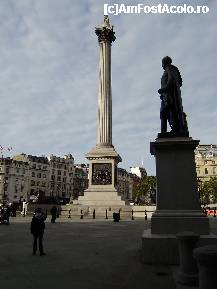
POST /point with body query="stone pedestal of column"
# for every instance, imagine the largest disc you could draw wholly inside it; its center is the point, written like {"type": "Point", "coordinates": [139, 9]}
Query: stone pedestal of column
{"type": "Point", "coordinates": [207, 265]}
{"type": "Point", "coordinates": [188, 272]}
{"type": "Point", "coordinates": [178, 207]}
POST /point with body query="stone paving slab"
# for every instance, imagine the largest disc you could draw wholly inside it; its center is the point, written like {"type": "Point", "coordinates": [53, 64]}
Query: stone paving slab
{"type": "Point", "coordinates": [91, 254]}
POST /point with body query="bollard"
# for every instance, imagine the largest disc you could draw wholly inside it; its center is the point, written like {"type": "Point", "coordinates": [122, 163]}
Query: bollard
{"type": "Point", "coordinates": [106, 214]}
{"type": "Point", "coordinates": [206, 257]}
{"type": "Point", "coordinates": [24, 212]}
{"type": "Point", "coordinates": [116, 217]}
{"type": "Point", "coordinates": [94, 214]}
{"type": "Point", "coordinates": [69, 217]}
{"type": "Point", "coordinates": [214, 213]}
{"type": "Point", "coordinates": [119, 212]}
{"type": "Point", "coordinates": [188, 272]}
{"type": "Point", "coordinates": [146, 217]}
{"type": "Point", "coordinates": [82, 216]}
{"type": "Point", "coordinates": [132, 218]}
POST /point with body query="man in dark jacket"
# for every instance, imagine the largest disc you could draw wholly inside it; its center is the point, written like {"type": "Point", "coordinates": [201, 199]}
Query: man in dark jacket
{"type": "Point", "coordinates": [53, 212]}
{"type": "Point", "coordinates": [37, 230]}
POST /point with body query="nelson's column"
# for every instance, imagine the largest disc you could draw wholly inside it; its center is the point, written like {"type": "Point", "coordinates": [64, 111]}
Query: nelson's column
{"type": "Point", "coordinates": [103, 157]}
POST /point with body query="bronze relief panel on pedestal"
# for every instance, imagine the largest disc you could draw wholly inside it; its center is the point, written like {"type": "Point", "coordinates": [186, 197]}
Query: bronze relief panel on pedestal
{"type": "Point", "coordinates": [101, 174]}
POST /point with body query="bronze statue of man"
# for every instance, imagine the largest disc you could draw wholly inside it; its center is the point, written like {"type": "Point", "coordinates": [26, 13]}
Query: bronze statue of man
{"type": "Point", "coordinates": [171, 101]}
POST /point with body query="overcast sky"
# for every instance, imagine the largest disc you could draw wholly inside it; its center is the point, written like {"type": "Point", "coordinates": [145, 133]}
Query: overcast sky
{"type": "Point", "coordinates": [49, 57]}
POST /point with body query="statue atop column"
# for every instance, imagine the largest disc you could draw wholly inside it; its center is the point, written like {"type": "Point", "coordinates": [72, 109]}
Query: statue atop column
{"type": "Point", "coordinates": [171, 102]}
{"type": "Point", "coordinates": [105, 33]}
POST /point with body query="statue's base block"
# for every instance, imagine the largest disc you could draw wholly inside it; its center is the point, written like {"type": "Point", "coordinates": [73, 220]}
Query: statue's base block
{"type": "Point", "coordinates": [178, 207]}
{"type": "Point", "coordinates": [175, 221]}
{"type": "Point", "coordinates": [163, 248]}
{"type": "Point", "coordinates": [101, 197]}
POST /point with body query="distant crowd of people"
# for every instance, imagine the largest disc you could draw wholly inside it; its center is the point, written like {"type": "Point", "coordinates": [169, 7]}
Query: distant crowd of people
{"type": "Point", "coordinates": [6, 211]}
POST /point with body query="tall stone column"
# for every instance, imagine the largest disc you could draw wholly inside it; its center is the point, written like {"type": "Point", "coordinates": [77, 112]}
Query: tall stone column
{"type": "Point", "coordinates": [105, 37]}
{"type": "Point", "coordinates": [103, 157]}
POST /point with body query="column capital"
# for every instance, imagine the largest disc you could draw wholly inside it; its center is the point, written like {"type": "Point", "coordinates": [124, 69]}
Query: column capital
{"type": "Point", "coordinates": [105, 33]}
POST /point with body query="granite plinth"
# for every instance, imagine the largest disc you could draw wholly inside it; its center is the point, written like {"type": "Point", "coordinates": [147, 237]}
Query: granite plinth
{"type": "Point", "coordinates": [163, 248]}
{"type": "Point", "coordinates": [178, 207]}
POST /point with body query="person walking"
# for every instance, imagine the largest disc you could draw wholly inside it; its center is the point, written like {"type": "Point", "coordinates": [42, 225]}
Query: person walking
{"type": "Point", "coordinates": [7, 214]}
{"type": "Point", "coordinates": [53, 212]}
{"type": "Point", "coordinates": [37, 230]}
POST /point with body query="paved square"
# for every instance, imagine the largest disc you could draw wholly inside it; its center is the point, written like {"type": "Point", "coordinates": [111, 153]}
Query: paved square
{"type": "Point", "coordinates": [80, 254]}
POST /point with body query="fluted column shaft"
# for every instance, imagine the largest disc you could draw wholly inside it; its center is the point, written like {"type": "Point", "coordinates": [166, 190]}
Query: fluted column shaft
{"type": "Point", "coordinates": [104, 131]}
{"type": "Point", "coordinates": [104, 136]}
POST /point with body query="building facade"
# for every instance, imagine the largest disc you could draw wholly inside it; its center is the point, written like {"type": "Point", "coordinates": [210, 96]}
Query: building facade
{"type": "Point", "coordinates": [61, 177]}
{"type": "Point", "coordinates": [14, 177]}
{"type": "Point", "coordinates": [38, 172]}
{"type": "Point", "coordinates": [37, 179]}
{"type": "Point", "coordinates": [123, 180]}
{"type": "Point", "coordinates": [206, 162]}
{"type": "Point", "coordinates": [80, 182]}
{"type": "Point", "coordinates": [54, 179]}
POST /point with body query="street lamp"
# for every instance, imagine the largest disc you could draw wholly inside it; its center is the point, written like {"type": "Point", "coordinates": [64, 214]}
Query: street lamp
{"type": "Point", "coordinates": [4, 195]}
{"type": "Point", "coordinates": [199, 183]}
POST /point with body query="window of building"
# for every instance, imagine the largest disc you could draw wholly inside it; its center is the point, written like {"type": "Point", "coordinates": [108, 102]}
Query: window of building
{"type": "Point", "coordinates": [32, 183]}
{"type": "Point", "coordinates": [44, 176]}
{"type": "Point", "coordinates": [59, 172]}
{"type": "Point", "coordinates": [33, 174]}
{"type": "Point", "coordinates": [214, 170]}
{"type": "Point", "coordinates": [39, 175]}
{"type": "Point", "coordinates": [58, 178]}
{"type": "Point", "coordinates": [52, 177]}
{"type": "Point", "coordinates": [18, 170]}
{"type": "Point", "coordinates": [34, 166]}
{"type": "Point", "coordinates": [39, 167]}
{"type": "Point", "coordinates": [43, 184]}
{"type": "Point", "coordinates": [206, 171]}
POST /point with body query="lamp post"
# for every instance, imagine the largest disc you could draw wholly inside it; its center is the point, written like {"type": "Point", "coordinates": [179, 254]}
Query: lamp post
{"type": "Point", "coordinates": [199, 182]}
{"type": "Point", "coordinates": [4, 195]}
